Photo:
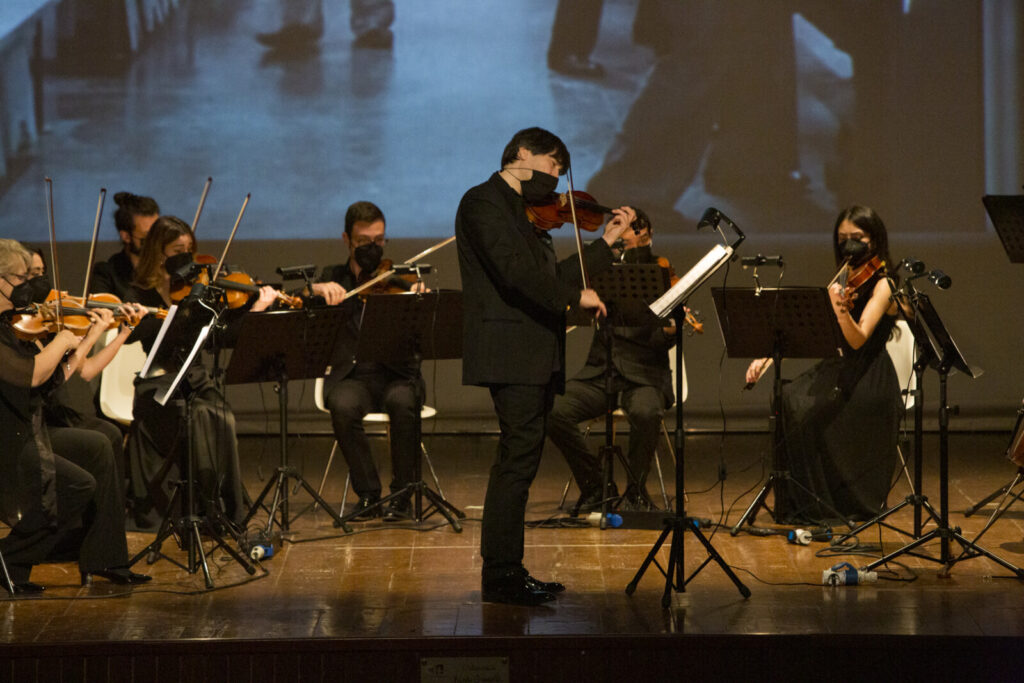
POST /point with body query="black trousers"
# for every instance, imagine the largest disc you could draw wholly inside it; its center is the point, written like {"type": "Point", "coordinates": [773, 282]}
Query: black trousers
{"type": "Point", "coordinates": [522, 411]}
{"type": "Point", "coordinates": [90, 510]}
{"type": "Point", "coordinates": [585, 400]}
{"type": "Point", "coordinates": [365, 391]}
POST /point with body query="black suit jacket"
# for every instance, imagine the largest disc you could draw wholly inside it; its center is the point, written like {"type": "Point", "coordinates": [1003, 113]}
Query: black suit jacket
{"type": "Point", "coordinates": [515, 296]}
{"type": "Point", "coordinates": [115, 276]}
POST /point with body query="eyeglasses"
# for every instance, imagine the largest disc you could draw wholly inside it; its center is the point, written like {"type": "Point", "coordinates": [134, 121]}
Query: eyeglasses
{"type": "Point", "coordinates": [21, 278]}
{"type": "Point", "coordinates": [362, 241]}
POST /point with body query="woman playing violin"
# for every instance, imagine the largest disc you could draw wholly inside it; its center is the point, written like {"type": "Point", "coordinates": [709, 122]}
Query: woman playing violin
{"type": "Point", "coordinates": [841, 418]}
{"type": "Point", "coordinates": [155, 443]}
{"type": "Point", "coordinates": [60, 491]}
{"type": "Point", "coordinates": [58, 410]}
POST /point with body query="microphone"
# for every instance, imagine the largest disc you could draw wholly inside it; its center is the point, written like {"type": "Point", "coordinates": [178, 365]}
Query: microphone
{"type": "Point", "coordinates": [760, 260]}
{"type": "Point", "coordinates": [412, 268]}
{"type": "Point", "coordinates": [913, 265]}
{"type": "Point", "coordinates": [940, 279]}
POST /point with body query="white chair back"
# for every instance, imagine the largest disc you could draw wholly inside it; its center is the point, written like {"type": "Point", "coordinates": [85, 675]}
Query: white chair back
{"type": "Point", "coordinates": [672, 369]}
{"type": "Point", "coordinates": [903, 352]}
{"type": "Point", "coordinates": [117, 381]}
{"type": "Point", "coordinates": [426, 412]}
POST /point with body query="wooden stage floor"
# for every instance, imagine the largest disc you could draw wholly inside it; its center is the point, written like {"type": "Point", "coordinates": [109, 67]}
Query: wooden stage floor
{"type": "Point", "coordinates": [381, 602]}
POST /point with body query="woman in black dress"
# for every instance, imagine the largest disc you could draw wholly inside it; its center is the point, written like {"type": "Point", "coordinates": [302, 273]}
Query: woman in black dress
{"type": "Point", "coordinates": [841, 417]}
{"type": "Point", "coordinates": [60, 492]}
{"type": "Point", "coordinates": [156, 441]}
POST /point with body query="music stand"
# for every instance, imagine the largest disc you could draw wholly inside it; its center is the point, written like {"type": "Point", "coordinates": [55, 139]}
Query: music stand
{"type": "Point", "coordinates": [784, 322]}
{"type": "Point", "coordinates": [946, 357]}
{"type": "Point", "coordinates": [398, 328]}
{"type": "Point", "coordinates": [180, 339]}
{"type": "Point", "coordinates": [278, 346]}
{"type": "Point", "coordinates": [1007, 214]}
{"type": "Point", "coordinates": [627, 291]}
{"type": "Point", "coordinates": [673, 302]}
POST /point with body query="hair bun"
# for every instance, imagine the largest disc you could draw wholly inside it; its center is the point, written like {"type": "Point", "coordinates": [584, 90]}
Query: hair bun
{"type": "Point", "coordinates": [122, 198]}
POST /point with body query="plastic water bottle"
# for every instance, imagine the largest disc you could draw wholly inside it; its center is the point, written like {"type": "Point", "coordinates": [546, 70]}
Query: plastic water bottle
{"type": "Point", "coordinates": [613, 519]}
{"type": "Point", "coordinates": [845, 574]}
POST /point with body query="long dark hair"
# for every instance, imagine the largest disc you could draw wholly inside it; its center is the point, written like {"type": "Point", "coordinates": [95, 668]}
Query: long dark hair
{"type": "Point", "coordinates": [149, 273]}
{"type": "Point", "coordinates": [871, 223]}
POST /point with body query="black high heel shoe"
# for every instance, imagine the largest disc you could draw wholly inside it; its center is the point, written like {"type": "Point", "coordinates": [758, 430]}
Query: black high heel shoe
{"type": "Point", "coordinates": [122, 576]}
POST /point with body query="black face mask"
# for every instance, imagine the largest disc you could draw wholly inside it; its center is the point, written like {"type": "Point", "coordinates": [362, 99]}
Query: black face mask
{"type": "Point", "coordinates": [637, 255]}
{"type": "Point", "coordinates": [854, 250]}
{"type": "Point", "coordinates": [538, 187]}
{"type": "Point", "coordinates": [32, 291]}
{"type": "Point", "coordinates": [368, 256]}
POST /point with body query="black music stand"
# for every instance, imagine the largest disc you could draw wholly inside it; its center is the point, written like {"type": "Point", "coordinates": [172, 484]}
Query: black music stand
{"type": "Point", "coordinates": [1007, 214]}
{"type": "Point", "coordinates": [784, 322]}
{"type": "Point", "coordinates": [278, 346]}
{"type": "Point", "coordinates": [627, 291]}
{"type": "Point", "coordinates": [673, 302]}
{"type": "Point", "coordinates": [946, 357]}
{"type": "Point", "coordinates": [179, 341]}
{"type": "Point", "coordinates": [398, 328]}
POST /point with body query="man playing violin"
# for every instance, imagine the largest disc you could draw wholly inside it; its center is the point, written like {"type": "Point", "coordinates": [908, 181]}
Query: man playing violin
{"type": "Point", "coordinates": [641, 378]}
{"type": "Point", "coordinates": [133, 218]}
{"type": "Point", "coordinates": [351, 389]}
{"type": "Point", "coordinates": [515, 297]}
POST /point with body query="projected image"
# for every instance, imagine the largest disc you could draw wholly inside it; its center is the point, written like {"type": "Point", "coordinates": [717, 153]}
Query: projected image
{"type": "Point", "coordinates": [777, 113]}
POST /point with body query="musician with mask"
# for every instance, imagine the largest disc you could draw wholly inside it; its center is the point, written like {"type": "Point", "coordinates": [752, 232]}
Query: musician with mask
{"type": "Point", "coordinates": [841, 417]}
{"type": "Point", "coordinates": [133, 218]}
{"type": "Point", "coordinates": [60, 491]}
{"type": "Point", "coordinates": [643, 382]}
{"type": "Point", "coordinates": [353, 389]}
{"type": "Point", "coordinates": [515, 296]}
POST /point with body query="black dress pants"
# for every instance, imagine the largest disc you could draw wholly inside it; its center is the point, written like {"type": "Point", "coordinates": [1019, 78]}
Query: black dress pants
{"type": "Point", "coordinates": [365, 391]}
{"type": "Point", "coordinates": [522, 411]}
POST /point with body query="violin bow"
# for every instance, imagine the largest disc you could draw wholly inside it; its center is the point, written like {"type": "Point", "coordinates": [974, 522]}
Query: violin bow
{"type": "Point", "coordinates": [53, 252]}
{"type": "Point", "coordinates": [231, 238]}
{"type": "Point", "coordinates": [576, 227]}
{"type": "Point", "coordinates": [92, 246]}
{"type": "Point", "coordinates": [388, 273]}
{"type": "Point", "coordinates": [202, 202]}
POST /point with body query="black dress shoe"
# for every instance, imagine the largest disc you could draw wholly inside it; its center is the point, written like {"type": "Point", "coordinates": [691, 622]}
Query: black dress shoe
{"type": "Point", "coordinates": [399, 510]}
{"type": "Point", "coordinates": [27, 588]}
{"type": "Point", "coordinates": [547, 586]}
{"type": "Point", "coordinates": [291, 36]}
{"type": "Point", "coordinates": [577, 67]}
{"type": "Point", "coordinates": [590, 499]}
{"type": "Point", "coordinates": [514, 588]}
{"type": "Point", "coordinates": [365, 509]}
{"type": "Point", "coordinates": [122, 576]}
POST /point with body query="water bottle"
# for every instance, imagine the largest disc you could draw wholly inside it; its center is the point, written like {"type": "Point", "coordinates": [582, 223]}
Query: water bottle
{"type": "Point", "coordinates": [612, 519]}
{"type": "Point", "coordinates": [844, 574]}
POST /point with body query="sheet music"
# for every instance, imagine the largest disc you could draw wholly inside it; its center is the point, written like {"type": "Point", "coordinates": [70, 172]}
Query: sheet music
{"type": "Point", "coordinates": [144, 373]}
{"type": "Point", "coordinates": [203, 334]}
{"type": "Point", "coordinates": [693, 279]}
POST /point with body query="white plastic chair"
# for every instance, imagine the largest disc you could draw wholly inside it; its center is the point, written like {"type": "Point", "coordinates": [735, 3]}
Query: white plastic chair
{"type": "Point", "coordinates": [117, 380]}
{"type": "Point", "coordinates": [620, 414]}
{"type": "Point", "coordinates": [903, 352]}
{"type": "Point", "coordinates": [426, 413]}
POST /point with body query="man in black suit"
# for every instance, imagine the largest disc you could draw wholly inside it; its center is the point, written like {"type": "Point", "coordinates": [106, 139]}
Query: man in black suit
{"type": "Point", "coordinates": [515, 298]}
{"type": "Point", "coordinates": [640, 376]}
{"type": "Point", "coordinates": [351, 389]}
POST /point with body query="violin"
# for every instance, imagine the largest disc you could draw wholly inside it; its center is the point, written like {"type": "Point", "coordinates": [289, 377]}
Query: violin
{"type": "Point", "coordinates": [690, 318]}
{"type": "Point", "coordinates": [44, 319]}
{"type": "Point", "coordinates": [385, 280]}
{"type": "Point", "coordinates": [238, 286]}
{"type": "Point", "coordinates": [857, 277]}
{"type": "Point", "coordinates": [556, 210]}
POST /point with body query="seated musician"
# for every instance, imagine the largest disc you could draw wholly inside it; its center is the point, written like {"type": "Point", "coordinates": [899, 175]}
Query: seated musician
{"type": "Point", "coordinates": [156, 445]}
{"type": "Point", "coordinates": [58, 409]}
{"type": "Point", "coordinates": [60, 491]}
{"type": "Point", "coordinates": [643, 382]}
{"type": "Point", "coordinates": [133, 218]}
{"type": "Point", "coordinates": [351, 389]}
{"type": "Point", "coordinates": [841, 417]}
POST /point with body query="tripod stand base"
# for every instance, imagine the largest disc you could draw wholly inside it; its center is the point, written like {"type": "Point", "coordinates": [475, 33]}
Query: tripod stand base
{"type": "Point", "coordinates": [774, 478]}
{"type": "Point", "coordinates": [279, 506]}
{"type": "Point", "coordinates": [190, 530]}
{"type": "Point", "coordinates": [417, 491]}
{"type": "Point", "coordinates": [674, 581]}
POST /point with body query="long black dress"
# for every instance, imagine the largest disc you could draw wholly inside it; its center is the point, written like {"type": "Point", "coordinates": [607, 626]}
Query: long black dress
{"type": "Point", "coordinates": [841, 424]}
{"type": "Point", "coordinates": [59, 489]}
{"type": "Point", "coordinates": [157, 444]}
